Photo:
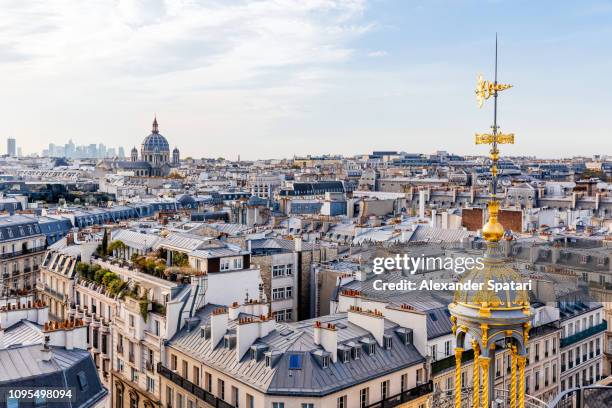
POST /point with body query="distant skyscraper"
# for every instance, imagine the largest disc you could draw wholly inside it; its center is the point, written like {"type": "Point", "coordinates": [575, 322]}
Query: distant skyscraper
{"type": "Point", "coordinates": [92, 151]}
{"type": "Point", "coordinates": [121, 153]}
{"type": "Point", "coordinates": [11, 147]}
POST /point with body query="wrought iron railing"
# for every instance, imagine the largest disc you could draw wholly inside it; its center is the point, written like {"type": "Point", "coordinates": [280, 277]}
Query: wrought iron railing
{"type": "Point", "coordinates": [190, 387]}
{"type": "Point", "coordinates": [598, 328]}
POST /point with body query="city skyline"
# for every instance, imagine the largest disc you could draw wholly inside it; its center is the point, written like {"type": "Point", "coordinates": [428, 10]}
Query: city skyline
{"type": "Point", "coordinates": [265, 80]}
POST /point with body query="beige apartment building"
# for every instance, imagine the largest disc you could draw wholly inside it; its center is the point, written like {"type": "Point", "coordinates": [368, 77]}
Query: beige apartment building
{"type": "Point", "coordinates": [239, 357]}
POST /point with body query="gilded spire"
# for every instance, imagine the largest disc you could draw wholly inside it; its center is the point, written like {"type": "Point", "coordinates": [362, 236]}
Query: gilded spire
{"type": "Point", "coordinates": [492, 231]}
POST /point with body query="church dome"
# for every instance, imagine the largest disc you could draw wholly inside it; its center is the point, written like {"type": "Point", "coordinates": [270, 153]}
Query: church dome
{"type": "Point", "coordinates": [155, 142]}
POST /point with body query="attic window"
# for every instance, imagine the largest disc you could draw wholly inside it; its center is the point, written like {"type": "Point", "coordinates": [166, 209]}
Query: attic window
{"type": "Point", "coordinates": [253, 354]}
{"type": "Point", "coordinates": [433, 317]}
{"type": "Point", "coordinates": [388, 342]}
{"type": "Point", "coordinates": [226, 342]}
{"type": "Point", "coordinates": [325, 361]}
{"type": "Point", "coordinates": [82, 380]}
{"type": "Point", "coordinates": [268, 360]}
{"type": "Point", "coordinates": [295, 361]}
{"type": "Point", "coordinates": [346, 356]}
{"type": "Point", "coordinates": [356, 353]}
{"type": "Point", "coordinates": [371, 349]}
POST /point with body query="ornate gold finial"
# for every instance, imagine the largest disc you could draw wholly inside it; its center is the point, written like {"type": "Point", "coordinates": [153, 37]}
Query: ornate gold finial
{"type": "Point", "coordinates": [487, 89]}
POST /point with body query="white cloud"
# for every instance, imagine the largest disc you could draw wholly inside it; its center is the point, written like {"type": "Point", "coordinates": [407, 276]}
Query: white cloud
{"type": "Point", "coordinates": [138, 53]}
{"type": "Point", "coordinates": [377, 54]}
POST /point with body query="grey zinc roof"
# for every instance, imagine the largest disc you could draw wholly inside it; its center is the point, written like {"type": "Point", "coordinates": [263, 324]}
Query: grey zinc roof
{"type": "Point", "coordinates": [435, 304]}
{"type": "Point", "coordinates": [297, 338]}
{"type": "Point", "coordinates": [22, 362]}
{"type": "Point", "coordinates": [22, 333]}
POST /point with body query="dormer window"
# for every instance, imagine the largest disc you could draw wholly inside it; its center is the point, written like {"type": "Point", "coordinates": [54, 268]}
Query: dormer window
{"type": "Point", "coordinates": [371, 349]}
{"type": "Point", "coordinates": [356, 353]}
{"type": "Point", "coordinates": [325, 361]}
{"type": "Point", "coordinates": [268, 360]}
{"type": "Point", "coordinates": [226, 342]}
{"type": "Point", "coordinates": [253, 354]}
{"type": "Point", "coordinates": [346, 356]}
{"type": "Point", "coordinates": [388, 342]}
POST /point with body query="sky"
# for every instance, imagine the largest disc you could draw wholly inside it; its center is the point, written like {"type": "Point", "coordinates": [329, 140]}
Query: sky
{"type": "Point", "coordinates": [278, 78]}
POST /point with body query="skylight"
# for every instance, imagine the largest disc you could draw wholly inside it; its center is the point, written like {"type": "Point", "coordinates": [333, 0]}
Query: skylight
{"type": "Point", "coordinates": [295, 361]}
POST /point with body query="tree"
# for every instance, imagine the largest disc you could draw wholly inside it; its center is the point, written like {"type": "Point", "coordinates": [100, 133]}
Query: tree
{"type": "Point", "coordinates": [105, 242]}
{"type": "Point", "coordinates": [118, 246]}
{"type": "Point", "coordinates": [180, 259]}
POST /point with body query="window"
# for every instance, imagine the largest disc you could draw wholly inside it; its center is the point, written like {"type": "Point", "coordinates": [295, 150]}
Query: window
{"type": "Point", "coordinates": [185, 370]}
{"type": "Point", "coordinates": [388, 342]}
{"type": "Point", "coordinates": [372, 349]}
{"type": "Point", "coordinates": [173, 362]}
{"type": "Point", "coordinates": [325, 361]}
{"type": "Point", "coordinates": [434, 352]}
{"type": "Point", "coordinates": [278, 293]}
{"type": "Point", "coordinates": [150, 384]}
{"type": "Point", "coordinates": [250, 401]}
{"type": "Point", "coordinates": [278, 405]}
{"type": "Point", "coordinates": [356, 353]}
{"type": "Point", "coordinates": [196, 375]}
{"type": "Point", "coordinates": [268, 360]}
{"type": "Point", "coordinates": [307, 405]}
{"type": "Point", "coordinates": [364, 397]}
{"type": "Point", "coordinates": [179, 400]}
{"type": "Point", "coordinates": [131, 320]}
{"type": "Point", "coordinates": [447, 348]}
{"type": "Point", "coordinates": [278, 271]}
{"type": "Point", "coordinates": [295, 361]}
{"type": "Point", "coordinates": [342, 402]}
{"type": "Point", "coordinates": [221, 389]}
{"type": "Point", "coordinates": [169, 396]}
{"type": "Point", "coordinates": [82, 380]}
{"type": "Point", "coordinates": [404, 380]}
{"type": "Point", "coordinates": [346, 356]}
{"type": "Point", "coordinates": [235, 396]}
{"type": "Point", "coordinates": [384, 390]}
{"type": "Point", "coordinates": [208, 382]}
{"type": "Point", "coordinates": [288, 292]}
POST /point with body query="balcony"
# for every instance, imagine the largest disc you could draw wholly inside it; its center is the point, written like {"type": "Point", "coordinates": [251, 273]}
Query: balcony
{"type": "Point", "coordinates": [448, 362]}
{"type": "Point", "coordinates": [54, 293]}
{"type": "Point", "coordinates": [26, 251]}
{"type": "Point", "coordinates": [598, 328]}
{"type": "Point", "coordinates": [190, 387]}
{"type": "Point", "coordinates": [404, 397]}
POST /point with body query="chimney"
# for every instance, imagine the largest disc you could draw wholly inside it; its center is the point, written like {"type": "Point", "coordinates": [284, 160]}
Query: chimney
{"type": "Point", "coordinates": [326, 335]}
{"type": "Point", "coordinates": [408, 317]}
{"type": "Point", "coordinates": [370, 320]}
{"type": "Point", "coordinates": [46, 350]}
{"type": "Point", "coordinates": [422, 204]}
{"type": "Point", "coordinates": [250, 329]}
{"type": "Point", "coordinates": [69, 334]}
{"type": "Point", "coordinates": [234, 311]}
{"type": "Point", "coordinates": [218, 325]}
{"type": "Point", "coordinates": [297, 242]}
